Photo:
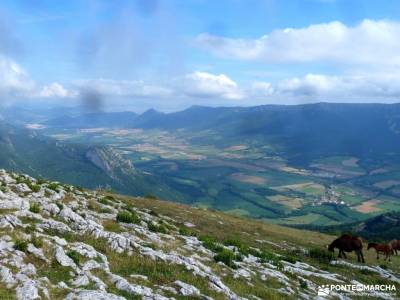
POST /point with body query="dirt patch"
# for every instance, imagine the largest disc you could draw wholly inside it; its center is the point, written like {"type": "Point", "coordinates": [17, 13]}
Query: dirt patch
{"type": "Point", "coordinates": [248, 178]}
{"type": "Point", "coordinates": [351, 162]}
{"type": "Point", "coordinates": [290, 202]}
{"type": "Point", "coordinates": [236, 148]}
{"type": "Point", "coordinates": [368, 206]}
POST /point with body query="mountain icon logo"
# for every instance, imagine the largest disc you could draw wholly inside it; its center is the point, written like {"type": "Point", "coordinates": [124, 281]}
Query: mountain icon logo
{"type": "Point", "coordinates": [323, 290]}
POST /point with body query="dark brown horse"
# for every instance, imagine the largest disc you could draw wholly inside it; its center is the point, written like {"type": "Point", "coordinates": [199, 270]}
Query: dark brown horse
{"type": "Point", "coordinates": [383, 248]}
{"type": "Point", "coordinates": [395, 244]}
{"type": "Point", "coordinates": [348, 243]}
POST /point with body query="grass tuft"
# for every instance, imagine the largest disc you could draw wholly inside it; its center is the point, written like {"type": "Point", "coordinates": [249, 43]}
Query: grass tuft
{"type": "Point", "coordinates": [21, 245]}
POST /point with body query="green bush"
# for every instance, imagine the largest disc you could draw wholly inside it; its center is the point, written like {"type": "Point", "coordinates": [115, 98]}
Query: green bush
{"type": "Point", "coordinates": [242, 248]}
{"type": "Point", "coordinates": [74, 255]}
{"type": "Point", "coordinates": [290, 258]}
{"type": "Point", "coordinates": [227, 257]}
{"type": "Point", "coordinates": [104, 201]}
{"type": "Point", "coordinates": [34, 187]}
{"type": "Point", "coordinates": [211, 244]}
{"type": "Point", "coordinates": [34, 207]}
{"type": "Point", "coordinates": [151, 196]}
{"type": "Point", "coordinates": [40, 181]}
{"type": "Point", "coordinates": [30, 228]}
{"type": "Point", "coordinates": [53, 186]}
{"type": "Point", "coordinates": [267, 256]}
{"type": "Point", "coordinates": [303, 283]}
{"type": "Point", "coordinates": [37, 242]}
{"type": "Point", "coordinates": [157, 228]}
{"type": "Point", "coordinates": [105, 210]}
{"type": "Point", "coordinates": [186, 231]}
{"type": "Point", "coordinates": [127, 217]}
{"type": "Point", "coordinates": [322, 255]}
{"type": "Point", "coordinates": [21, 245]}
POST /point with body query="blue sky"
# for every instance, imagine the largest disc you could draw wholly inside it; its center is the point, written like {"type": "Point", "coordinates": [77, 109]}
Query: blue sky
{"type": "Point", "coordinates": [172, 54]}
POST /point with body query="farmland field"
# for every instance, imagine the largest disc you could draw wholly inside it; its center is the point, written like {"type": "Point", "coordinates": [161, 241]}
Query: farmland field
{"type": "Point", "coordinates": [247, 178]}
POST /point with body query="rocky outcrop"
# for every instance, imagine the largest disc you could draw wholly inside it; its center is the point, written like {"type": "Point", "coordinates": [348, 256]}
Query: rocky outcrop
{"type": "Point", "coordinates": [70, 242]}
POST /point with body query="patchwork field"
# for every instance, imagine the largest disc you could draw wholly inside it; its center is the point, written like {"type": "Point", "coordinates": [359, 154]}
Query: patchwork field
{"type": "Point", "coordinates": [249, 178]}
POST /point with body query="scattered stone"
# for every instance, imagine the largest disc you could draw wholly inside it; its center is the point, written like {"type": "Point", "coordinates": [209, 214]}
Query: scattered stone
{"type": "Point", "coordinates": [187, 289]}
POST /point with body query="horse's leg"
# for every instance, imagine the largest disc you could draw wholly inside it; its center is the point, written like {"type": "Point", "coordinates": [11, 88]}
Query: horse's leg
{"type": "Point", "coordinates": [358, 255]}
{"type": "Point", "coordinates": [362, 256]}
{"type": "Point", "coordinates": [340, 253]}
{"type": "Point", "coordinates": [344, 255]}
{"type": "Point", "coordinates": [377, 254]}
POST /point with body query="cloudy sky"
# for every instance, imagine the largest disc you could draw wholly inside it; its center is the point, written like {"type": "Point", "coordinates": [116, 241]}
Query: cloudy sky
{"type": "Point", "coordinates": [170, 54]}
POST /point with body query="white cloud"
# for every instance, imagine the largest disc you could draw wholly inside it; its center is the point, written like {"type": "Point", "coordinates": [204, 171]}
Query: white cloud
{"type": "Point", "coordinates": [318, 87]}
{"type": "Point", "coordinates": [369, 42]}
{"type": "Point", "coordinates": [125, 88]}
{"type": "Point", "coordinates": [14, 80]}
{"type": "Point", "coordinates": [202, 84]}
{"type": "Point", "coordinates": [55, 90]}
{"type": "Point", "coordinates": [16, 83]}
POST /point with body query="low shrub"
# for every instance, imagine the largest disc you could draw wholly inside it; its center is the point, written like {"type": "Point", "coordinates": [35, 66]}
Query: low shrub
{"type": "Point", "coordinates": [267, 256]}
{"type": "Point", "coordinates": [37, 242]}
{"type": "Point", "coordinates": [34, 207]}
{"type": "Point", "coordinates": [127, 217]}
{"type": "Point", "coordinates": [186, 231]}
{"type": "Point", "coordinates": [30, 228]}
{"type": "Point", "coordinates": [74, 255]}
{"type": "Point", "coordinates": [303, 283]}
{"type": "Point", "coordinates": [53, 186]}
{"type": "Point", "coordinates": [35, 188]}
{"type": "Point", "coordinates": [211, 244]}
{"type": "Point", "coordinates": [289, 258]}
{"type": "Point", "coordinates": [105, 210]}
{"type": "Point", "coordinates": [157, 228]}
{"type": "Point", "coordinates": [21, 245]}
{"type": "Point", "coordinates": [40, 181]}
{"type": "Point", "coordinates": [227, 257]}
{"type": "Point", "coordinates": [104, 201]}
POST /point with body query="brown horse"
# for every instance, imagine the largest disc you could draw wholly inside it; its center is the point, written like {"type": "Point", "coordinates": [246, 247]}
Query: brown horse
{"type": "Point", "coordinates": [384, 248]}
{"type": "Point", "coordinates": [395, 244]}
{"type": "Point", "coordinates": [348, 243]}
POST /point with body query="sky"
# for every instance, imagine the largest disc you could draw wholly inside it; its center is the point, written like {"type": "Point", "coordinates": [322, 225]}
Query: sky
{"type": "Point", "coordinates": [172, 54]}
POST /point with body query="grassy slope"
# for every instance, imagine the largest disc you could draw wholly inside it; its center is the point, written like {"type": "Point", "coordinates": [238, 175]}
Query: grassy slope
{"type": "Point", "coordinates": [223, 226]}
